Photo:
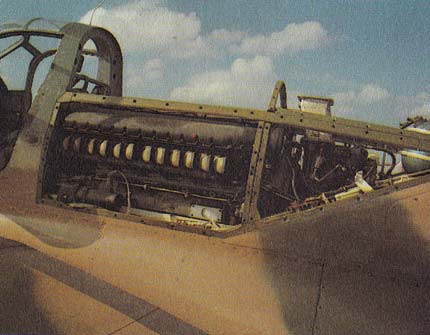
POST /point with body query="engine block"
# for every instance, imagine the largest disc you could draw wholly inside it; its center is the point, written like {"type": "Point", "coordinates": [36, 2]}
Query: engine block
{"type": "Point", "coordinates": [127, 160]}
{"type": "Point", "coordinates": [212, 166]}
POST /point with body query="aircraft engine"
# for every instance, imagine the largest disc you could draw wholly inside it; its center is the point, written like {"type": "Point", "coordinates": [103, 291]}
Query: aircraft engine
{"type": "Point", "coordinates": [166, 163]}
{"type": "Point", "coordinates": [140, 161]}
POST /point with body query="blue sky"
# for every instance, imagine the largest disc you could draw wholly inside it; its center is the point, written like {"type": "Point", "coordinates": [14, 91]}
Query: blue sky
{"type": "Point", "coordinates": [372, 57]}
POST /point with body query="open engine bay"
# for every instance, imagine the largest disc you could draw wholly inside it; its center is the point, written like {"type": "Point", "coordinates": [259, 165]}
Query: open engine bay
{"type": "Point", "coordinates": [187, 166]}
{"type": "Point", "coordinates": [209, 167]}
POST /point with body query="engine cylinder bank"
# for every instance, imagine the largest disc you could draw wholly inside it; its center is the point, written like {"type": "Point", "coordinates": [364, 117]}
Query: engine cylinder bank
{"type": "Point", "coordinates": [180, 163]}
{"type": "Point", "coordinates": [165, 163]}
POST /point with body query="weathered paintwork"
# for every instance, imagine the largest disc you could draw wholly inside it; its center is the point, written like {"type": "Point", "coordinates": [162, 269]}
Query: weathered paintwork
{"type": "Point", "coordinates": [358, 266]}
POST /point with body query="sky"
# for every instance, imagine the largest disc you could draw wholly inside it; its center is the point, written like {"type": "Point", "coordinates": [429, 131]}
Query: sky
{"type": "Point", "coordinates": [371, 56]}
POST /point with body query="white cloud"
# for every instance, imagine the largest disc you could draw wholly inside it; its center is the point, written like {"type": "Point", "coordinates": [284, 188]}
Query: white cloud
{"type": "Point", "coordinates": [377, 104]}
{"type": "Point", "coordinates": [294, 37]}
{"type": "Point", "coordinates": [350, 103]}
{"type": "Point", "coordinates": [423, 110]}
{"type": "Point", "coordinates": [247, 83]}
{"type": "Point", "coordinates": [420, 103]}
{"type": "Point", "coordinates": [345, 97]}
{"type": "Point", "coordinates": [224, 36]}
{"type": "Point", "coordinates": [371, 93]}
{"type": "Point", "coordinates": [142, 77]}
{"type": "Point", "coordinates": [367, 94]}
{"type": "Point", "coordinates": [402, 107]}
{"type": "Point", "coordinates": [344, 102]}
{"type": "Point", "coordinates": [423, 97]}
{"type": "Point", "coordinates": [150, 26]}
{"type": "Point", "coordinates": [153, 69]}
{"type": "Point", "coordinates": [151, 33]}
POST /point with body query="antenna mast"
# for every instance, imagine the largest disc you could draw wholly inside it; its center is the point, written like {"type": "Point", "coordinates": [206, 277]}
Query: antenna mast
{"type": "Point", "coordinates": [94, 10]}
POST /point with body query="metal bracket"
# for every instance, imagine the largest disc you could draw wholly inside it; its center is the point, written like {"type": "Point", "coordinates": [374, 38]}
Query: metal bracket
{"type": "Point", "coordinates": [250, 211]}
{"type": "Point", "coordinates": [280, 91]}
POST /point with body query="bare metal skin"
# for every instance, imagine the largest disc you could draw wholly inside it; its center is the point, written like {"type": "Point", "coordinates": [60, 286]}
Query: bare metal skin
{"type": "Point", "coordinates": [355, 266]}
